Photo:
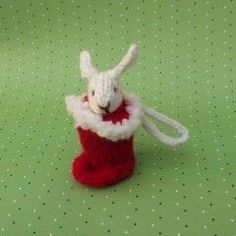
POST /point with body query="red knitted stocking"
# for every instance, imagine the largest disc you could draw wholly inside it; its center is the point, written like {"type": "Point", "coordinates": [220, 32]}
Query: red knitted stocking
{"type": "Point", "coordinates": [104, 162]}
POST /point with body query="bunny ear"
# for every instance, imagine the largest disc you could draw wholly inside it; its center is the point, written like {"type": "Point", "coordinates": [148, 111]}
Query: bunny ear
{"type": "Point", "coordinates": [128, 60]}
{"type": "Point", "coordinates": [86, 67]}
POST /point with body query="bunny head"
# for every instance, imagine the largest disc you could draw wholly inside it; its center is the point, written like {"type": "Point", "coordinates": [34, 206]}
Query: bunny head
{"type": "Point", "coordinates": [104, 94]}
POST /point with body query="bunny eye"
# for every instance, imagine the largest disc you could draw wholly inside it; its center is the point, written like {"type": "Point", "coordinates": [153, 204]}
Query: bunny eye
{"type": "Point", "coordinates": [115, 89]}
{"type": "Point", "coordinates": [93, 92]}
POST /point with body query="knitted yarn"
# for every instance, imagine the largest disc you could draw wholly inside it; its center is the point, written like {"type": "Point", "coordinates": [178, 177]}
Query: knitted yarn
{"type": "Point", "coordinates": [85, 118]}
{"type": "Point", "coordinates": [106, 120]}
{"type": "Point", "coordinates": [151, 127]}
{"type": "Point", "coordinates": [89, 71]}
{"type": "Point", "coordinates": [104, 162]}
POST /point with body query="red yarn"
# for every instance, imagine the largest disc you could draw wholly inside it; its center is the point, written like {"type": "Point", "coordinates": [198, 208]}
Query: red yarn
{"type": "Point", "coordinates": [118, 115]}
{"type": "Point", "coordinates": [104, 162]}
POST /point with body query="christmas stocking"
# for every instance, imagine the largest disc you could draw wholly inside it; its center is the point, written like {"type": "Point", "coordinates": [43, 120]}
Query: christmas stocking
{"type": "Point", "coordinates": [107, 141]}
{"type": "Point", "coordinates": [106, 119]}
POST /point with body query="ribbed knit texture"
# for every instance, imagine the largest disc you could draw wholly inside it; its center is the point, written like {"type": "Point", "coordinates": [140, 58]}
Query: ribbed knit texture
{"type": "Point", "coordinates": [104, 162]}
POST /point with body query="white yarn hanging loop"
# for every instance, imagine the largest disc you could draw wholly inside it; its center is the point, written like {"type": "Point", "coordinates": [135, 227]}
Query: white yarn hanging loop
{"type": "Point", "coordinates": [151, 127]}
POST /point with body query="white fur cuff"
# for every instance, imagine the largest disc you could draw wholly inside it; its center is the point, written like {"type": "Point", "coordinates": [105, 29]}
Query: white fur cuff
{"type": "Point", "coordinates": [86, 119]}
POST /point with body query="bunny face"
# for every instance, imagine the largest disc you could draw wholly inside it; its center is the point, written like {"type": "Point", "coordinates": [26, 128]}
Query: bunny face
{"type": "Point", "coordinates": [104, 94]}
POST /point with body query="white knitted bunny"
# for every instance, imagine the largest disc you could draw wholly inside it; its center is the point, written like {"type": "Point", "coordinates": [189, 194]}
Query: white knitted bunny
{"type": "Point", "coordinates": [106, 119]}
{"type": "Point", "coordinates": [103, 89]}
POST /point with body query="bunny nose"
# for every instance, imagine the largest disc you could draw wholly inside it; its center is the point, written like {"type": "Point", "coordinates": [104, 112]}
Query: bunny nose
{"type": "Point", "coordinates": [106, 108]}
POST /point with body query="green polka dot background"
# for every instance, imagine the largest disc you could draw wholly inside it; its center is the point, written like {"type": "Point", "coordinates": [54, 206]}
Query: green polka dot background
{"type": "Point", "coordinates": [186, 69]}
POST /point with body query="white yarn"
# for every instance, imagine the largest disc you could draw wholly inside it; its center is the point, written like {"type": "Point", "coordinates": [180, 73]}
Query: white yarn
{"type": "Point", "coordinates": [86, 119]}
{"type": "Point", "coordinates": [86, 67]}
{"type": "Point", "coordinates": [101, 83]}
{"type": "Point", "coordinates": [125, 63]}
{"type": "Point", "coordinates": [103, 86]}
{"type": "Point", "coordinates": [151, 127]}
{"type": "Point", "coordinates": [88, 70]}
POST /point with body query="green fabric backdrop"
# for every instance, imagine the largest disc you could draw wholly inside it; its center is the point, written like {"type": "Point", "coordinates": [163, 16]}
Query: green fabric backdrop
{"type": "Point", "coordinates": [186, 69]}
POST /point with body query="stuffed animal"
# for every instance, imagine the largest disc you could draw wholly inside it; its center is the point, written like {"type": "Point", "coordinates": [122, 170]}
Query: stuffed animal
{"type": "Point", "coordinates": [106, 119]}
